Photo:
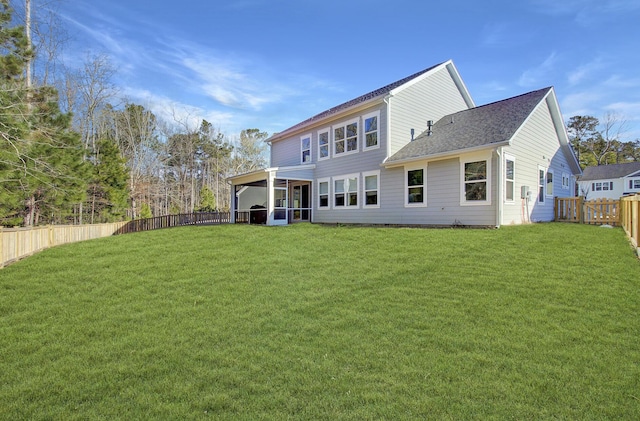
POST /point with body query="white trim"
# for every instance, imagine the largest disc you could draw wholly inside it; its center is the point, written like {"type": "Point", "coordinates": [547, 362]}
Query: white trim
{"type": "Point", "coordinates": [422, 204]}
{"type": "Point", "coordinates": [344, 125]}
{"type": "Point", "coordinates": [512, 158]}
{"type": "Point", "coordinates": [553, 182]}
{"type": "Point", "coordinates": [310, 149]}
{"type": "Point", "coordinates": [345, 179]}
{"type": "Point", "coordinates": [364, 189]}
{"type": "Point", "coordinates": [442, 155]}
{"type": "Point", "coordinates": [375, 114]}
{"type": "Point", "coordinates": [326, 130]}
{"type": "Point", "coordinates": [328, 181]}
{"type": "Point", "coordinates": [467, 159]}
{"type": "Point", "coordinates": [544, 185]}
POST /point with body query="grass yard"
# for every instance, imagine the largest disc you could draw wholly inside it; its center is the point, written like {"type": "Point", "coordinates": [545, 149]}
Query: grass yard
{"type": "Point", "coordinates": [317, 322]}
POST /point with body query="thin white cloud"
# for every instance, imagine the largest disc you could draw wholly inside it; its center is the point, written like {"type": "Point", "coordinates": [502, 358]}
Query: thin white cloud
{"type": "Point", "coordinates": [586, 12]}
{"type": "Point", "coordinates": [535, 75]}
{"type": "Point", "coordinates": [585, 71]}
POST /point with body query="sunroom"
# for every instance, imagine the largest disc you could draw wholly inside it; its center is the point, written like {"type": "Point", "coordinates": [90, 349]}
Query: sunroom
{"type": "Point", "coordinates": [273, 196]}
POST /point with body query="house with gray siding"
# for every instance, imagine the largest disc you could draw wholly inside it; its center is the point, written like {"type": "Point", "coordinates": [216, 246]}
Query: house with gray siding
{"type": "Point", "coordinates": [416, 152]}
{"type": "Point", "coordinates": [610, 181]}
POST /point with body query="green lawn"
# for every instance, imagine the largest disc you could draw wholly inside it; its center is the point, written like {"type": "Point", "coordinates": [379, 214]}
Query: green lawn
{"type": "Point", "coordinates": [317, 322]}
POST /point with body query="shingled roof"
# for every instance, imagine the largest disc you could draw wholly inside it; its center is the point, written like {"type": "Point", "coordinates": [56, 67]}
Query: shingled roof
{"type": "Point", "coordinates": [608, 172]}
{"type": "Point", "coordinates": [489, 124]}
{"type": "Point", "coordinates": [380, 92]}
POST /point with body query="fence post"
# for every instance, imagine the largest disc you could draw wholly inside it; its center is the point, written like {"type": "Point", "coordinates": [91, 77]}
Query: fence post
{"type": "Point", "coordinates": [580, 210]}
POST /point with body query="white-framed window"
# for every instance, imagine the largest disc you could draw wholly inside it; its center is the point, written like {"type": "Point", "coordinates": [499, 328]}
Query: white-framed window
{"type": "Point", "coordinates": [324, 193]}
{"type": "Point", "coordinates": [345, 191]}
{"type": "Point", "coordinates": [549, 189]}
{"type": "Point", "coordinates": [602, 186]}
{"type": "Point", "coordinates": [475, 188]}
{"type": "Point", "coordinates": [634, 184]}
{"type": "Point", "coordinates": [542, 183]}
{"type": "Point", "coordinates": [280, 203]}
{"type": "Point", "coordinates": [371, 188]}
{"type": "Point", "coordinates": [305, 148]}
{"type": "Point", "coordinates": [371, 129]}
{"type": "Point", "coordinates": [345, 138]}
{"type": "Point", "coordinates": [323, 144]}
{"type": "Point", "coordinates": [566, 181]}
{"type": "Point", "coordinates": [509, 178]}
{"type": "Point", "coordinates": [415, 181]}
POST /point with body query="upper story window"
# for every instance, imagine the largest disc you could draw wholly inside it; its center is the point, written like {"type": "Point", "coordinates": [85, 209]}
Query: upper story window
{"type": "Point", "coordinates": [415, 187]}
{"type": "Point", "coordinates": [371, 130]}
{"type": "Point", "coordinates": [475, 182]}
{"type": "Point", "coordinates": [305, 148]}
{"type": "Point", "coordinates": [509, 178]}
{"type": "Point", "coordinates": [345, 138]}
{"type": "Point", "coordinates": [323, 144]}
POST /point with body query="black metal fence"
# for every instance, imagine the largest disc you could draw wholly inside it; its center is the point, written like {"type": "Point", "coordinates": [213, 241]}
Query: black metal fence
{"type": "Point", "coordinates": [179, 220]}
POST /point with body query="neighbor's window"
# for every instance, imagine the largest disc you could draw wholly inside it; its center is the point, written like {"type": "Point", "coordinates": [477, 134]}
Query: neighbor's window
{"type": "Point", "coordinates": [549, 183]}
{"type": "Point", "coordinates": [305, 147]}
{"type": "Point", "coordinates": [634, 183]}
{"type": "Point", "coordinates": [345, 138]}
{"type": "Point", "coordinates": [475, 181]}
{"type": "Point", "coordinates": [371, 188]}
{"type": "Point", "coordinates": [607, 185]}
{"type": "Point", "coordinates": [345, 191]}
{"type": "Point", "coordinates": [371, 130]}
{"type": "Point", "coordinates": [323, 144]}
{"type": "Point", "coordinates": [415, 190]}
{"type": "Point", "coordinates": [509, 182]}
{"type": "Point", "coordinates": [323, 193]}
{"type": "Point", "coordinates": [542, 182]}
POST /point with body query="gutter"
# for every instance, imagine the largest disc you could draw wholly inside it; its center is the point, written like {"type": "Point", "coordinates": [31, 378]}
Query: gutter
{"type": "Point", "coordinates": [442, 155]}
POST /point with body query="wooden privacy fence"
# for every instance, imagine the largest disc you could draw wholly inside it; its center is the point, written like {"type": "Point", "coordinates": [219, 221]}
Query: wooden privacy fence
{"type": "Point", "coordinates": [16, 243]}
{"type": "Point", "coordinates": [596, 212]}
{"type": "Point", "coordinates": [630, 206]}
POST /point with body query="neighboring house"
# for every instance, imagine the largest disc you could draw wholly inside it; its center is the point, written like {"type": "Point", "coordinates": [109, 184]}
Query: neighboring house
{"type": "Point", "coordinates": [610, 181]}
{"type": "Point", "coordinates": [381, 159]}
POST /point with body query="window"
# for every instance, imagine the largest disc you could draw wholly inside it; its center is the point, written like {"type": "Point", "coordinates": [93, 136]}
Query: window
{"type": "Point", "coordinates": [549, 183]}
{"type": "Point", "coordinates": [371, 130]}
{"type": "Point", "coordinates": [476, 176]}
{"type": "Point", "coordinates": [345, 138]}
{"type": "Point", "coordinates": [606, 186]}
{"type": "Point", "coordinates": [566, 180]}
{"type": "Point", "coordinates": [415, 192]}
{"type": "Point", "coordinates": [323, 193]}
{"type": "Point", "coordinates": [280, 203]}
{"type": "Point", "coordinates": [323, 144]}
{"type": "Point", "coordinates": [371, 189]}
{"type": "Point", "coordinates": [542, 183]}
{"type": "Point", "coordinates": [345, 191]}
{"type": "Point", "coordinates": [634, 184]}
{"type": "Point", "coordinates": [305, 148]}
{"type": "Point", "coordinates": [509, 178]}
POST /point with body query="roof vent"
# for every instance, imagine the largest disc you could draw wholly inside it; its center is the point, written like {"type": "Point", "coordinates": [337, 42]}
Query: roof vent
{"type": "Point", "coordinates": [429, 127]}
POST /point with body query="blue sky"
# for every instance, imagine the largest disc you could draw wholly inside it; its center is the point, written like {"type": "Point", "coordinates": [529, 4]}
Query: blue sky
{"type": "Point", "coordinates": [269, 64]}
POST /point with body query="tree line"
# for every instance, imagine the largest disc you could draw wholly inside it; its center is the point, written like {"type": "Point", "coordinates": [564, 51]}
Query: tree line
{"type": "Point", "coordinates": [72, 150]}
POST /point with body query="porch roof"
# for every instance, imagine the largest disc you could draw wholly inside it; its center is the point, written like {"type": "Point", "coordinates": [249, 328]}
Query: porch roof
{"type": "Point", "coordinates": [298, 172]}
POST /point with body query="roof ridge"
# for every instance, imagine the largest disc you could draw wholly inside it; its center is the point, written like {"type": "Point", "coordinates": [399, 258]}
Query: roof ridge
{"type": "Point", "coordinates": [362, 98]}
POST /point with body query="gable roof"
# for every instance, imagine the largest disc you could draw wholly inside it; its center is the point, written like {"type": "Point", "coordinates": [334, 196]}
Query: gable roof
{"type": "Point", "coordinates": [604, 172]}
{"type": "Point", "coordinates": [377, 94]}
{"type": "Point", "coordinates": [492, 124]}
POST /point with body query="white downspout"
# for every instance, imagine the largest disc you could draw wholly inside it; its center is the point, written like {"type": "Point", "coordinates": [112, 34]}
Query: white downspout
{"type": "Point", "coordinates": [500, 198]}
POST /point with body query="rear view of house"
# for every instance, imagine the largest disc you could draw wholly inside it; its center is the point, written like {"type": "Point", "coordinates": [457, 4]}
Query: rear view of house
{"type": "Point", "coordinates": [416, 152]}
